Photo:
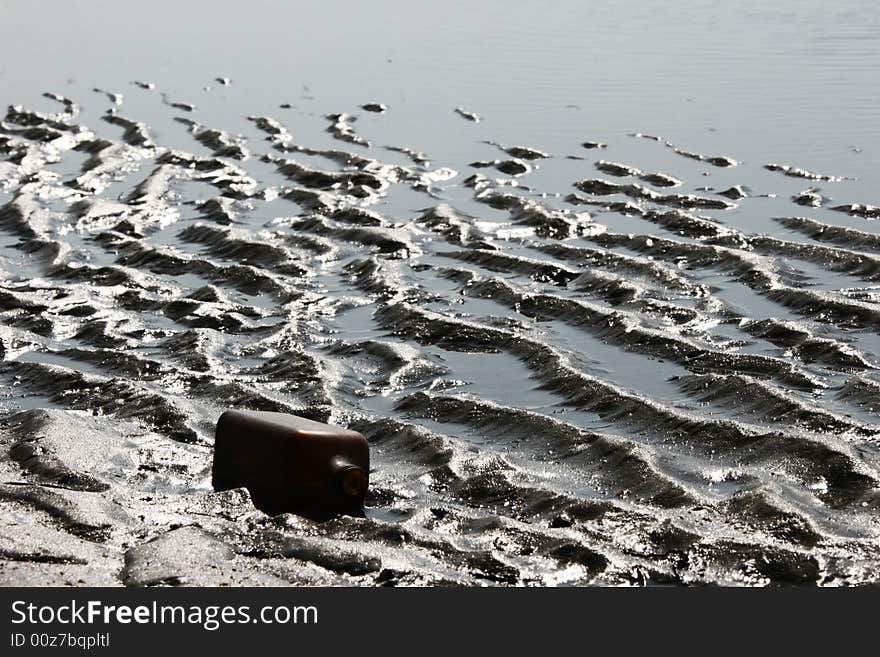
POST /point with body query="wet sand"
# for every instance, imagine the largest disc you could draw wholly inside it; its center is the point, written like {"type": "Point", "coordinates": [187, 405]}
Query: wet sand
{"type": "Point", "coordinates": [618, 359]}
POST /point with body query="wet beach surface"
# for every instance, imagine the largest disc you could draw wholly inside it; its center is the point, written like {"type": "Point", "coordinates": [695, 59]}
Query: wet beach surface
{"type": "Point", "coordinates": [600, 287]}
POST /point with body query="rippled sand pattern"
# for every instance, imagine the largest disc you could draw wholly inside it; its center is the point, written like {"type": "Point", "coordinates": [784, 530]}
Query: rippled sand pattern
{"type": "Point", "coordinates": [615, 384]}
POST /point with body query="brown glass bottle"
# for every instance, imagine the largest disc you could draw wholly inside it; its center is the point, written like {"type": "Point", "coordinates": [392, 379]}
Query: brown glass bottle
{"type": "Point", "coordinates": [291, 464]}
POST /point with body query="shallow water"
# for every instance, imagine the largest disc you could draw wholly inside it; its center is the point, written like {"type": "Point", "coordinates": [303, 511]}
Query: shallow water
{"type": "Point", "coordinates": [569, 373]}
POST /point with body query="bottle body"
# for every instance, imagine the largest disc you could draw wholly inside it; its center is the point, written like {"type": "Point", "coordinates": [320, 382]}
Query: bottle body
{"type": "Point", "coordinates": [291, 464]}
